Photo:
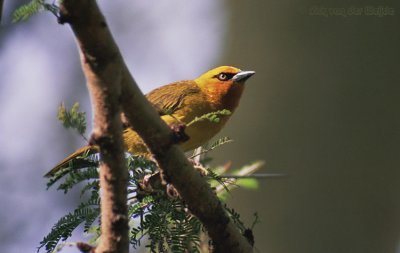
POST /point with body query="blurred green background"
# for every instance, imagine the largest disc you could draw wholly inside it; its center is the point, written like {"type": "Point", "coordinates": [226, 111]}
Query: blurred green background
{"type": "Point", "coordinates": [323, 108]}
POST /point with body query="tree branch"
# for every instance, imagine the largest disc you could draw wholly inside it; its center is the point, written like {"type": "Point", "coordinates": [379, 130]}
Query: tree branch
{"type": "Point", "coordinates": [1, 9]}
{"type": "Point", "coordinates": [101, 62]}
{"type": "Point", "coordinates": [176, 169]}
{"type": "Point", "coordinates": [105, 69]}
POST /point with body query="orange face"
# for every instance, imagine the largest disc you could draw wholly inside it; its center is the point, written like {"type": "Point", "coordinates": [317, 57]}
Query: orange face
{"type": "Point", "coordinates": [224, 85]}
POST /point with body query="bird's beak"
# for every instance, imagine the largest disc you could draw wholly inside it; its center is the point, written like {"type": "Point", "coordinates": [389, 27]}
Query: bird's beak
{"type": "Point", "coordinates": [242, 76]}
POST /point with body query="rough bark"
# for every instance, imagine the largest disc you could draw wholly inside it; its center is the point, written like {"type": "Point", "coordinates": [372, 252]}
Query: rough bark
{"type": "Point", "coordinates": [101, 63]}
{"type": "Point", "coordinates": [1, 9]}
{"type": "Point", "coordinates": [110, 82]}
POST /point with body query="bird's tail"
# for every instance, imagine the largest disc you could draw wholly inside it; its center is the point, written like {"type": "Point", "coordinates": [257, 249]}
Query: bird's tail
{"type": "Point", "coordinates": [63, 164]}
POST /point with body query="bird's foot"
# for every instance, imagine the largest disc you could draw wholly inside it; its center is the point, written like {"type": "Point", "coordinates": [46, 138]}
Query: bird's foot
{"type": "Point", "coordinates": [178, 133]}
{"type": "Point", "coordinates": [199, 167]}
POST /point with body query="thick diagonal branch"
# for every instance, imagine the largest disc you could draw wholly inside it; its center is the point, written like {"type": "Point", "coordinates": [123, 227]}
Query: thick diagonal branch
{"type": "Point", "coordinates": [100, 56]}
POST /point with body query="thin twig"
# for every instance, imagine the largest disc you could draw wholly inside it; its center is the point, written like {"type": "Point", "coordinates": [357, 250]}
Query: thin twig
{"type": "Point", "coordinates": [263, 175]}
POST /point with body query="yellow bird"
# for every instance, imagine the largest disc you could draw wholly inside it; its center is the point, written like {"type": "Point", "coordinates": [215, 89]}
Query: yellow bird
{"type": "Point", "coordinates": [180, 103]}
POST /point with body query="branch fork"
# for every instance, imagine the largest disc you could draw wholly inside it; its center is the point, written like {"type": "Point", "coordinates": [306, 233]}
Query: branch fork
{"type": "Point", "coordinates": [114, 91]}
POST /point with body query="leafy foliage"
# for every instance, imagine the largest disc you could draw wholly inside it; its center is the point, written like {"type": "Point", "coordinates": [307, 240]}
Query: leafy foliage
{"type": "Point", "coordinates": [221, 141]}
{"type": "Point", "coordinates": [80, 162]}
{"type": "Point", "coordinates": [212, 116]}
{"type": "Point", "coordinates": [167, 224]}
{"type": "Point", "coordinates": [248, 183]}
{"type": "Point", "coordinates": [165, 221]}
{"type": "Point", "coordinates": [74, 178]}
{"type": "Point", "coordinates": [161, 220]}
{"type": "Point", "coordinates": [87, 212]}
{"type": "Point", "coordinates": [72, 118]}
{"type": "Point", "coordinates": [25, 11]}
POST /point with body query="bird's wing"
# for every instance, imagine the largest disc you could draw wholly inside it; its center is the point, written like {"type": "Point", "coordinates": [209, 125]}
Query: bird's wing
{"type": "Point", "coordinates": [169, 98]}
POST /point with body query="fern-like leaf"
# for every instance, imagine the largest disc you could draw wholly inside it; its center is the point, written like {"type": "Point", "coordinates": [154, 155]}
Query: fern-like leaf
{"type": "Point", "coordinates": [74, 177]}
{"type": "Point", "coordinates": [72, 118]}
{"type": "Point", "coordinates": [212, 116]}
{"type": "Point", "coordinates": [166, 223]}
{"type": "Point", "coordinates": [26, 11]}
{"type": "Point", "coordinates": [214, 145]}
{"type": "Point", "coordinates": [63, 229]}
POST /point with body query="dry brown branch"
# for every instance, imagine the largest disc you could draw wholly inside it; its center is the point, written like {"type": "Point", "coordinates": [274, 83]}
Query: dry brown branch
{"type": "Point", "coordinates": [101, 63]}
{"type": "Point", "coordinates": [110, 83]}
{"type": "Point", "coordinates": [1, 9]}
{"type": "Point", "coordinates": [85, 248]}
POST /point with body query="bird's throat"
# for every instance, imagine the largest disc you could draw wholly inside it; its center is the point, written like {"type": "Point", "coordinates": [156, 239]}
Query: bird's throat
{"type": "Point", "coordinates": [225, 96]}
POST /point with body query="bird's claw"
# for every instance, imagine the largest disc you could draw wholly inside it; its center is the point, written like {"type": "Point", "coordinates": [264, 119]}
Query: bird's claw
{"type": "Point", "coordinates": [199, 167]}
{"type": "Point", "coordinates": [178, 133]}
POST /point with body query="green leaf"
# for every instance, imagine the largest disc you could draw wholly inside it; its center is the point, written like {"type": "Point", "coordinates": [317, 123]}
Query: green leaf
{"type": "Point", "coordinates": [214, 145]}
{"type": "Point", "coordinates": [248, 183]}
{"type": "Point", "coordinates": [85, 213]}
{"type": "Point", "coordinates": [72, 118]}
{"type": "Point", "coordinates": [26, 11]}
{"type": "Point", "coordinates": [161, 223]}
{"type": "Point", "coordinates": [212, 116]}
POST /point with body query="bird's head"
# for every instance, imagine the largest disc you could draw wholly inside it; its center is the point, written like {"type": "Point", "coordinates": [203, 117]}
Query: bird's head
{"type": "Point", "coordinates": [224, 85]}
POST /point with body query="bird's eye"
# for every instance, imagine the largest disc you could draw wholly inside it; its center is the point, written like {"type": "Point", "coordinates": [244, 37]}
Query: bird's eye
{"type": "Point", "coordinates": [223, 77]}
